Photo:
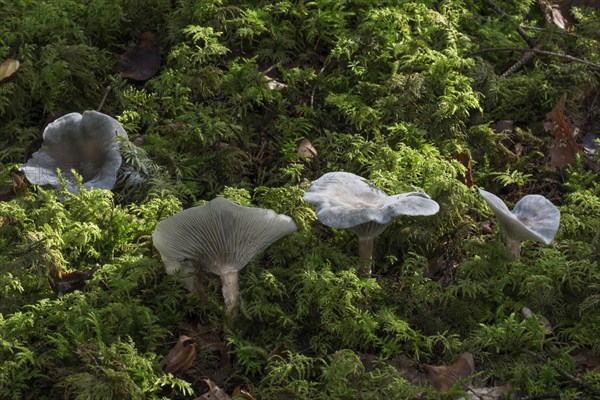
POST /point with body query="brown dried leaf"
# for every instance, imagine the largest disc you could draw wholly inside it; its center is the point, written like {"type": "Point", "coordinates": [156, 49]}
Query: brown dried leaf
{"type": "Point", "coordinates": [241, 393]}
{"type": "Point", "coordinates": [62, 282]}
{"type": "Point", "coordinates": [585, 359]}
{"type": "Point", "coordinates": [8, 67]}
{"type": "Point", "coordinates": [181, 357]}
{"type": "Point", "coordinates": [10, 191]}
{"type": "Point", "coordinates": [306, 149]}
{"type": "Point", "coordinates": [214, 392]}
{"type": "Point", "coordinates": [142, 61]}
{"type": "Point", "coordinates": [465, 160]}
{"type": "Point", "coordinates": [209, 340]}
{"type": "Point", "coordinates": [443, 377]}
{"type": "Point", "coordinates": [564, 148]}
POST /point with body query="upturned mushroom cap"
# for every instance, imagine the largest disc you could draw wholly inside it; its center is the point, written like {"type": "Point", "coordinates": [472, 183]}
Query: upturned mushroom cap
{"type": "Point", "coordinates": [345, 200]}
{"type": "Point", "coordinates": [533, 218]}
{"type": "Point", "coordinates": [219, 236]}
{"type": "Point", "coordinates": [86, 143]}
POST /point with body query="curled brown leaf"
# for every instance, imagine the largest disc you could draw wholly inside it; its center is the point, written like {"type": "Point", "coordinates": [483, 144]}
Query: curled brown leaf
{"type": "Point", "coordinates": [181, 357]}
{"type": "Point", "coordinates": [443, 376]}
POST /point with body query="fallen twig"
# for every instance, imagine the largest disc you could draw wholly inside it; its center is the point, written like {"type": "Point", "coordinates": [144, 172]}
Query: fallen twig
{"type": "Point", "coordinates": [106, 92]}
{"type": "Point", "coordinates": [585, 386]}
{"type": "Point", "coordinates": [520, 30]}
{"type": "Point", "coordinates": [537, 51]}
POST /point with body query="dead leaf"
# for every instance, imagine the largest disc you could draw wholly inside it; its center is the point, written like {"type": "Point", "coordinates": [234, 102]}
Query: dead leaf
{"type": "Point", "coordinates": [487, 393]}
{"type": "Point", "coordinates": [8, 192]}
{"type": "Point", "coordinates": [307, 149]}
{"type": "Point", "coordinates": [181, 357]}
{"type": "Point", "coordinates": [62, 282]}
{"type": "Point", "coordinates": [585, 359]}
{"type": "Point", "coordinates": [214, 392]}
{"type": "Point", "coordinates": [486, 227]}
{"type": "Point", "coordinates": [142, 61]}
{"type": "Point", "coordinates": [564, 148]}
{"type": "Point", "coordinates": [558, 12]}
{"type": "Point", "coordinates": [272, 84]}
{"type": "Point", "coordinates": [465, 160]}
{"type": "Point", "coordinates": [239, 392]}
{"type": "Point", "coordinates": [504, 125]}
{"type": "Point", "coordinates": [208, 339]}
{"type": "Point", "coordinates": [443, 377]}
{"type": "Point", "coordinates": [8, 67]}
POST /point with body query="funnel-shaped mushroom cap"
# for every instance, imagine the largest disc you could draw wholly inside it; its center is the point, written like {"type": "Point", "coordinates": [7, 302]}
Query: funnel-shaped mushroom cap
{"type": "Point", "coordinates": [220, 236]}
{"type": "Point", "coordinates": [533, 218]}
{"type": "Point", "coordinates": [86, 143]}
{"type": "Point", "coordinates": [345, 200]}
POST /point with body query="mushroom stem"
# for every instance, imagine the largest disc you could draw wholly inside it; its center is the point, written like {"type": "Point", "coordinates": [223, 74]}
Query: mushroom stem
{"type": "Point", "coordinates": [514, 248]}
{"type": "Point", "coordinates": [365, 254]}
{"type": "Point", "coordinates": [231, 291]}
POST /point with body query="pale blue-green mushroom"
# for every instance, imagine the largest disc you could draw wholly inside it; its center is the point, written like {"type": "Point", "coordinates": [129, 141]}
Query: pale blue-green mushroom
{"type": "Point", "coordinates": [84, 143]}
{"type": "Point", "coordinates": [220, 237]}
{"type": "Point", "coordinates": [345, 200]}
{"type": "Point", "coordinates": [533, 218]}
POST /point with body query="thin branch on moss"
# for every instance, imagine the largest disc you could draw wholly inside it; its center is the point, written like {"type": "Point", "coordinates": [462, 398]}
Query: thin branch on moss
{"type": "Point", "coordinates": [557, 31]}
{"type": "Point", "coordinates": [585, 386]}
{"type": "Point", "coordinates": [520, 30]}
{"type": "Point", "coordinates": [537, 51]}
{"type": "Point", "coordinates": [106, 92]}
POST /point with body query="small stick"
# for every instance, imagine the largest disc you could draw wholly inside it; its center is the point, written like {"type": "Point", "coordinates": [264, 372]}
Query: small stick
{"type": "Point", "coordinates": [520, 30]}
{"type": "Point", "coordinates": [106, 92]}
{"type": "Point", "coordinates": [585, 386]}
{"type": "Point", "coordinates": [537, 51]}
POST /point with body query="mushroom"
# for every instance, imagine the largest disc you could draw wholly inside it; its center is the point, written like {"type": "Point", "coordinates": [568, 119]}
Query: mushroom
{"type": "Point", "coordinates": [345, 200]}
{"type": "Point", "coordinates": [85, 143]}
{"type": "Point", "coordinates": [221, 237]}
{"type": "Point", "coordinates": [533, 218]}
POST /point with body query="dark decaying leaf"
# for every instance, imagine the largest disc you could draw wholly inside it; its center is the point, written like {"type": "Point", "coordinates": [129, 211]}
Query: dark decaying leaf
{"type": "Point", "coordinates": [443, 377]}
{"type": "Point", "coordinates": [18, 185]}
{"type": "Point", "coordinates": [564, 148]}
{"type": "Point", "coordinates": [214, 392]}
{"type": "Point", "coordinates": [208, 339]}
{"type": "Point", "coordinates": [142, 61]}
{"type": "Point", "coordinates": [66, 282]}
{"type": "Point", "coordinates": [465, 160]}
{"type": "Point", "coordinates": [8, 67]}
{"type": "Point", "coordinates": [240, 393]}
{"type": "Point", "coordinates": [558, 12]}
{"type": "Point", "coordinates": [585, 359]}
{"type": "Point", "coordinates": [181, 357]}
{"type": "Point", "coordinates": [307, 149]}
{"type": "Point", "coordinates": [487, 393]}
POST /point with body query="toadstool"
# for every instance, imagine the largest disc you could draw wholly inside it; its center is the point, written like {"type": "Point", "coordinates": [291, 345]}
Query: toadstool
{"type": "Point", "coordinates": [345, 200]}
{"type": "Point", "coordinates": [533, 218]}
{"type": "Point", "coordinates": [85, 143]}
{"type": "Point", "coordinates": [221, 237]}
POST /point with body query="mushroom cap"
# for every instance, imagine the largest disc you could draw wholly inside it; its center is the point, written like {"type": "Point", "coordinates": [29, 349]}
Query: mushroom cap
{"type": "Point", "coordinates": [345, 200]}
{"type": "Point", "coordinates": [220, 236]}
{"type": "Point", "coordinates": [533, 218]}
{"type": "Point", "coordinates": [86, 143]}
